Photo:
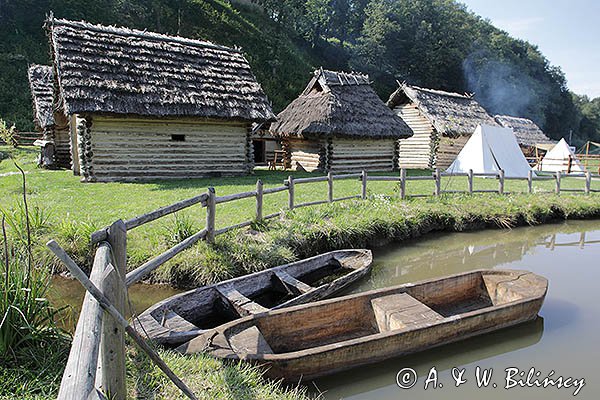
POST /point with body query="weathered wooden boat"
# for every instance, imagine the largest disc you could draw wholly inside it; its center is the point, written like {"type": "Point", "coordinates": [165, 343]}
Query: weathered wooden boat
{"type": "Point", "coordinates": [184, 316]}
{"type": "Point", "coordinates": [328, 336]}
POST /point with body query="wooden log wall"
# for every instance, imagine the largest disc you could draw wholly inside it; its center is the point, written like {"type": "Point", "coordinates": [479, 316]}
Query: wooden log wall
{"type": "Point", "coordinates": [418, 150]}
{"type": "Point", "coordinates": [307, 155]}
{"type": "Point", "coordinates": [356, 155]}
{"type": "Point", "coordinates": [448, 149]}
{"type": "Point", "coordinates": [140, 149]}
{"type": "Point", "coordinates": [62, 147]}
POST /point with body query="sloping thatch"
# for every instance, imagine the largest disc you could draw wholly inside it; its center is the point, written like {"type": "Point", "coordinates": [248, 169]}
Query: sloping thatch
{"type": "Point", "coordinates": [41, 85]}
{"type": "Point", "coordinates": [105, 69]}
{"type": "Point", "coordinates": [451, 114]}
{"type": "Point", "coordinates": [340, 104]}
{"type": "Point", "coordinates": [527, 132]}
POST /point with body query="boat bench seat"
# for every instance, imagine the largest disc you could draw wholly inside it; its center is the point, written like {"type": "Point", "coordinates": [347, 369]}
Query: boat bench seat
{"type": "Point", "coordinates": [250, 341]}
{"type": "Point", "coordinates": [399, 311]}
{"type": "Point", "coordinates": [292, 284]}
{"type": "Point", "coordinates": [243, 305]}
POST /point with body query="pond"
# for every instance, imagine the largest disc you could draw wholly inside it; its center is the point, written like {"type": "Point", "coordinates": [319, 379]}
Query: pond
{"type": "Point", "coordinates": [564, 339]}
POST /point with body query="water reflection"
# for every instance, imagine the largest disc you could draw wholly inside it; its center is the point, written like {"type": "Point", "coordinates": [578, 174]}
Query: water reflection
{"type": "Point", "coordinates": [562, 339]}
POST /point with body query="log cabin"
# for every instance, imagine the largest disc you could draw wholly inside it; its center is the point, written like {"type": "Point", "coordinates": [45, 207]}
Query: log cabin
{"type": "Point", "coordinates": [529, 135]}
{"type": "Point", "coordinates": [442, 123]}
{"type": "Point", "coordinates": [41, 85]}
{"type": "Point", "coordinates": [339, 124]}
{"type": "Point", "coordinates": [143, 105]}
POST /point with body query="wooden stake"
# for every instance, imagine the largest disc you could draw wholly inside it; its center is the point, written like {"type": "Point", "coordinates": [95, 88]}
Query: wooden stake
{"type": "Point", "coordinates": [557, 176]}
{"type": "Point", "coordinates": [259, 200]}
{"type": "Point", "coordinates": [470, 181]}
{"type": "Point", "coordinates": [438, 181]}
{"type": "Point", "coordinates": [501, 181]}
{"type": "Point", "coordinates": [364, 178]}
{"type": "Point", "coordinates": [588, 182]}
{"type": "Point", "coordinates": [290, 185]}
{"type": "Point", "coordinates": [330, 187]}
{"type": "Point", "coordinates": [402, 183]}
{"type": "Point", "coordinates": [211, 205]}
{"type": "Point", "coordinates": [530, 181]}
{"type": "Point", "coordinates": [110, 309]}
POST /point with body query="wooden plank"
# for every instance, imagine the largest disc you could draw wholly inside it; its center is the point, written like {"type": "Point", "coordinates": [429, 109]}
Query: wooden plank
{"type": "Point", "coordinates": [275, 189]}
{"type": "Point", "coordinates": [140, 272]}
{"type": "Point", "coordinates": [232, 197]}
{"type": "Point", "coordinates": [294, 285]}
{"type": "Point", "coordinates": [232, 227]}
{"type": "Point", "coordinates": [243, 305]}
{"type": "Point", "coordinates": [347, 198]}
{"type": "Point", "coordinates": [161, 212]}
{"type": "Point", "coordinates": [312, 203]}
{"type": "Point", "coordinates": [112, 375]}
{"type": "Point", "coordinates": [79, 377]}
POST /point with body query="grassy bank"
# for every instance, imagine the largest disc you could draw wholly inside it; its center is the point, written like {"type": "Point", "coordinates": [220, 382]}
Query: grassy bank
{"type": "Point", "coordinates": [68, 211]}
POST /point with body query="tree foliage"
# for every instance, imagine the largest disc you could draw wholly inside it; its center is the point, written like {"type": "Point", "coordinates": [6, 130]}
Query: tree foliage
{"type": "Point", "coordinates": [432, 43]}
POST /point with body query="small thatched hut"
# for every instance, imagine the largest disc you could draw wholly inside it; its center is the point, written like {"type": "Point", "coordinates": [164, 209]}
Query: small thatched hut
{"type": "Point", "coordinates": [41, 85]}
{"type": "Point", "coordinates": [339, 123]}
{"type": "Point", "coordinates": [528, 134]}
{"type": "Point", "coordinates": [144, 105]}
{"type": "Point", "coordinates": [442, 123]}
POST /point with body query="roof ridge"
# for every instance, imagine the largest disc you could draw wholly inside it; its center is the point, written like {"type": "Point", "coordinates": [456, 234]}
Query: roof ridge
{"type": "Point", "coordinates": [439, 92]}
{"type": "Point", "coordinates": [148, 35]}
{"type": "Point", "coordinates": [512, 117]}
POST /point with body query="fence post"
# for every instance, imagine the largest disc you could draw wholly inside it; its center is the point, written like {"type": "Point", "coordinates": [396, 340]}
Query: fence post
{"type": "Point", "coordinates": [290, 192]}
{"type": "Point", "coordinates": [402, 183]}
{"type": "Point", "coordinates": [211, 206]}
{"type": "Point", "coordinates": [111, 377]}
{"type": "Point", "coordinates": [259, 200]}
{"type": "Point", "coordinates": [363, 192]}
{"type": "Point", "coordinates": [530, 181]}
{"type": "Point", "coordinates": [438, 181]}
{"type": "Point", "coordinates": [588, 181]}
{"type": "Point", "coordinates": [501, 181]}
{"type": "Point", "coordinates": [330, 187]}
{"type": "Point", "coordinates": [557, 175]}
{"type": "Point", "coordinates": [470, 180]}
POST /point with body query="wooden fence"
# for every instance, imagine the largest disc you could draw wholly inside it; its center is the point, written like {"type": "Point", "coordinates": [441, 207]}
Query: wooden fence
{"type": "Point", "coordinates": [96, 363]}
{"type": "Point", "coordinates": [25, 138]}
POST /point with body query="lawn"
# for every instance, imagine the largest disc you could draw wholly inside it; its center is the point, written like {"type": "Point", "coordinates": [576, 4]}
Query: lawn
{"type": "Point", "coordinates": [67, 210]}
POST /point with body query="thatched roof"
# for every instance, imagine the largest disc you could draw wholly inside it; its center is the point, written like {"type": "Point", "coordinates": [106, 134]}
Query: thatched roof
{"type": "Point", "coordinates": [526, 131]}
{"type": "Point", "coordinates": [41, 85]}
{"type": "Point", "coordinates": [340, 104]}
{"type": "Point", "coordinates": [451, 114]}
{"type": "Point", "coordinates": [105, 69]}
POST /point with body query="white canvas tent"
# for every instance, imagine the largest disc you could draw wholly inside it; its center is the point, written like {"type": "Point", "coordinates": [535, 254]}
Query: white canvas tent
{"type": "Point", "coordinates": [489, 150]}
{"type": "Point", "coordinates": [557, 159]}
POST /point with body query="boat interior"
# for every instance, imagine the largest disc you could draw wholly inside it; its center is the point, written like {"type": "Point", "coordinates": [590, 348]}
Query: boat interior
{"type": "Point", "coordinates": [212, 306]}
{"type": "Point", "coordinates": [402, 308]}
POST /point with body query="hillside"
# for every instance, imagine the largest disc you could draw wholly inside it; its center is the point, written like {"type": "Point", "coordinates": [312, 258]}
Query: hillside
{"type": "Point", "coordinates": [435, 43]}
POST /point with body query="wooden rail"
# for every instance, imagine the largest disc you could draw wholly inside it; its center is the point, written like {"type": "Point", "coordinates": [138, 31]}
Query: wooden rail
{"type": "Point", "coordinates": [96, 364]}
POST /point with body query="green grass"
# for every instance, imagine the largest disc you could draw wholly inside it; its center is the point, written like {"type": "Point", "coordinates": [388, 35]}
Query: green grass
{"type": "Point", "coordinates": [69, 211]}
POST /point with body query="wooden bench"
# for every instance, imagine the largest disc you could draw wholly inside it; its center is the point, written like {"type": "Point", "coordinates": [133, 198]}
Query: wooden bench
{"type": "Point", "coordinates": [243, 305]}
{"type": "Point", "coordinates": [399, 311]}
{"type": "Point", "coordinates": [291, 284]}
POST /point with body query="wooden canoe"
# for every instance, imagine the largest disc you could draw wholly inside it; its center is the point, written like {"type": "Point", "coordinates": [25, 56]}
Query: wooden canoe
{"type": "Point", "coordinates": [328, 336]}
{"type": "Point", "coordinates": [184, 316]}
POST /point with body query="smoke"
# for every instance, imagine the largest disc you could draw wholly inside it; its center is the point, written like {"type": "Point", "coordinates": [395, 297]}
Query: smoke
{"type": "Point", "coordinates": [502, 87]}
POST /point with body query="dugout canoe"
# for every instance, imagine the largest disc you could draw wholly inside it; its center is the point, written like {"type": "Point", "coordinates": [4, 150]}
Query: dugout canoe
{"type": "Point", "coordinates": [317, 339]}
{"type": "Point", "coordinates": [184, 316]}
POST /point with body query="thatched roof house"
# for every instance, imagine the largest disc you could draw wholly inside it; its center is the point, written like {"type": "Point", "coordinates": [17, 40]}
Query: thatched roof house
{"type": "Point", "coordinates": [339, 123]}
{"type": "Point", "coordinates": [41, 81]}
{"type": "Point", "coordinates": [527, 132]}
{"type": "Point", "coordinates": [442, 123]}
{"type": "Point", "coordinates": [148, 105]}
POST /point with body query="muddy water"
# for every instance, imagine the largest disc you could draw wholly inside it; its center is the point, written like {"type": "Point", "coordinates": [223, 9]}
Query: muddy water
{"type": "Point", "coordinates": [69, 293]}
{"type": "Point", "coordinates": [565, 338]}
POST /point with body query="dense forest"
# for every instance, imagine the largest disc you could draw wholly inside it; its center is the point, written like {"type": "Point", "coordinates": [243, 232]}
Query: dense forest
{"type": "Point", "coordinates": [431, 43]}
